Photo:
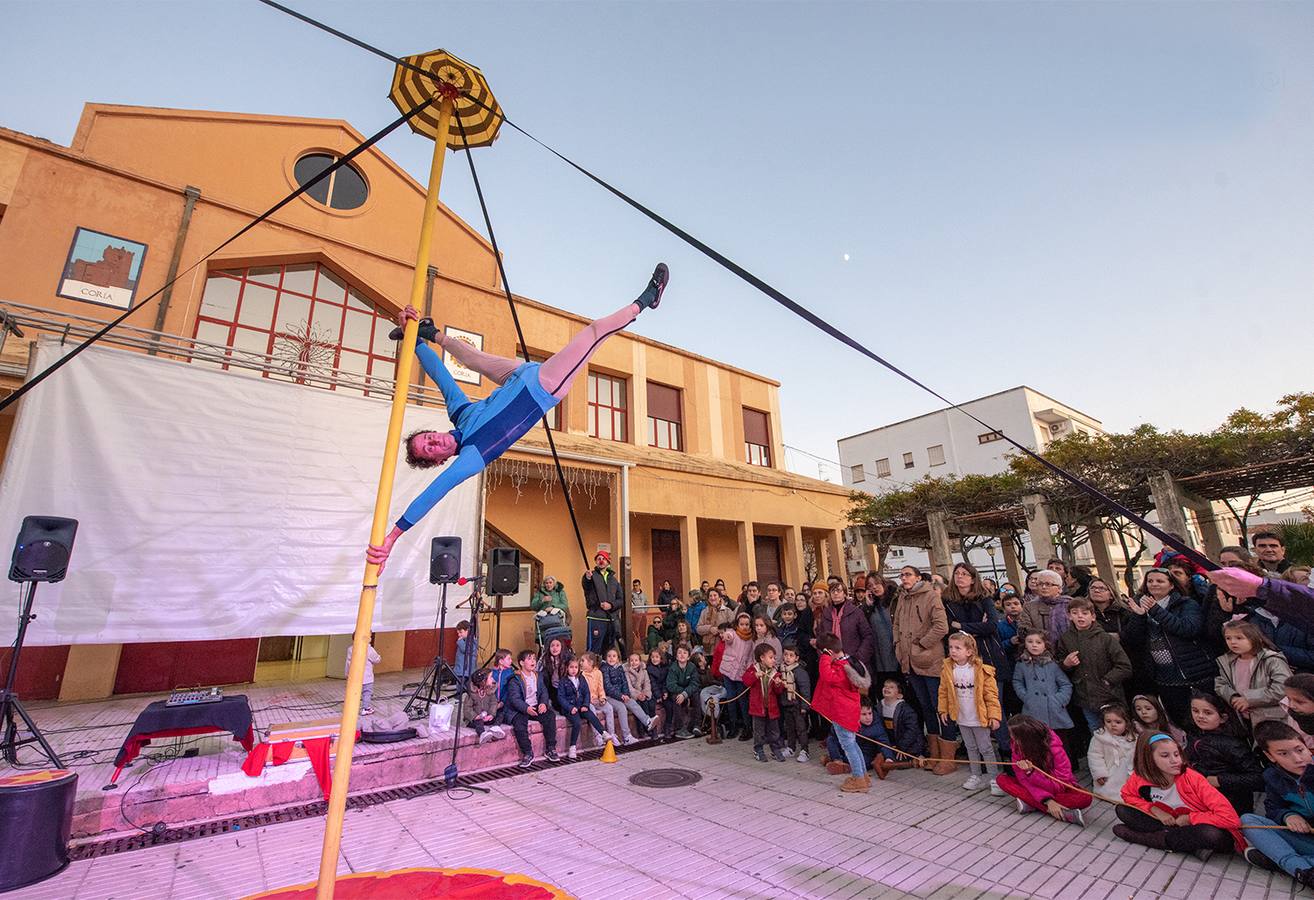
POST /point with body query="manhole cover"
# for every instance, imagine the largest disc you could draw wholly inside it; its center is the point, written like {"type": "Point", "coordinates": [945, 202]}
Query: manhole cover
{"type": "Point", "coordinates": [665, 778]}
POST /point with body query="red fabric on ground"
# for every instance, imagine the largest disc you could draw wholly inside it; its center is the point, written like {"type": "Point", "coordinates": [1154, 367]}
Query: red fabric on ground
{"type": "Point", "coordinates": [429, 884]}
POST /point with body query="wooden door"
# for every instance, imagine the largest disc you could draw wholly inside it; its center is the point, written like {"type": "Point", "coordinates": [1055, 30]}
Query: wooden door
{"type": "Point", "coordinates": [666, 563]}
{"type": "Point", "coordinates": [767, 549]}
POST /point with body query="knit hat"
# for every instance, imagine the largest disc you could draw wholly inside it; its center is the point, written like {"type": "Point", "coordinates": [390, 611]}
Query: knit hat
{"type": "Point", "coordinates": [605, 556]}
{"type": "Point", "coordinates": [1048, 575]}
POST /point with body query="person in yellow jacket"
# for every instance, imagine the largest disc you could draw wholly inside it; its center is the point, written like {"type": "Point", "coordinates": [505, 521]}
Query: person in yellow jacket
{"type": "Point", "coordinates": [969, 696]}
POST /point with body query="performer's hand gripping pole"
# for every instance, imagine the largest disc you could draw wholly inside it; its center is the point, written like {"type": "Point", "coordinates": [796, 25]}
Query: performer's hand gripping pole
{"type": "Point", "coordinates": [337, 806]}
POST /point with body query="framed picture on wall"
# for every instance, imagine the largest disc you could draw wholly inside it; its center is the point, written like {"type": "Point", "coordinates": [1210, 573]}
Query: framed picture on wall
{"type": "Point", "coordinates": [460, 372]}
{"type": "Point", "coordinates": [102, 268]}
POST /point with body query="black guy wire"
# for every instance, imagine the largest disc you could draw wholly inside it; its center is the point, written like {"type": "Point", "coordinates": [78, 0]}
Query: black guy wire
{"type": "Point", "coordinates": [520, 334]}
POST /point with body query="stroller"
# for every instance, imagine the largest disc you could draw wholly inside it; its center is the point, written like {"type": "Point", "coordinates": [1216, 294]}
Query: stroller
{"type": "Point", "coordinates": [551, 624]}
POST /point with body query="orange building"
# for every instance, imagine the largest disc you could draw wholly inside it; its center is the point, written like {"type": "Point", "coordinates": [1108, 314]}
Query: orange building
{"type": "Point", "coordinates": [675, 460]}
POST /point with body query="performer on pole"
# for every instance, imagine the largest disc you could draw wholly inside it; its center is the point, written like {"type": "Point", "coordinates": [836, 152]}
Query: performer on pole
{"type": "Point", "coordinates": [485, 428]}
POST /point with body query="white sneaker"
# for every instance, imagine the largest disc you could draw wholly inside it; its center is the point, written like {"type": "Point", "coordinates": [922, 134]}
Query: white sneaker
{"type": "Point", "coordinates": [498, 732]}
{"type": "Point", "coordinates": [785, 751]}
{"type": "Point", "coordinates": [1022, 808]}
{"type": "Point", "coordinates": [485, 737]}
{"type": "Point", "coordinates": [973, 783]}
{"type": "Point", "coordinates": [995, 789]}
{"type": "Point", "coordinates": [631, 740]}
{"type": "Point", "coordinates": [572, 753]}
{"type": "Point", "coordinates": [802, 756]}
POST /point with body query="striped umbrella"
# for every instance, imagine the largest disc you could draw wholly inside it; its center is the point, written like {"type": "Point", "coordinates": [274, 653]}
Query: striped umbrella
{"type": "Point", "coordinates": [409, 88]}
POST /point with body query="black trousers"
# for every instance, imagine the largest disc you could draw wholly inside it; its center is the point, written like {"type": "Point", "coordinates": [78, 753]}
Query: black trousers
{"type": "Point", "coordinates": [794, 723]}
{"type": "Point", "coordinates": [1150, 832]}
{"type": "Point", "coordinates": [520, 725]}
{"type": "Point", "coordinates": [766, 731]}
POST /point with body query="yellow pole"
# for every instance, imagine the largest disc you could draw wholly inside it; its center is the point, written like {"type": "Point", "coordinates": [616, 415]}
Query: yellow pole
{"type": "Point", "coordinates": [337, 806]}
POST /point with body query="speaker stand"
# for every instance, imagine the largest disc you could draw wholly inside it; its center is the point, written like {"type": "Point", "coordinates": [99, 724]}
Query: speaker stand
{"type": "Point", "coordinates": [11, 706]}
{"type": "Point", "coordinates": [430, 688]}
{"type": "Point", "coordinates": [497, 628]}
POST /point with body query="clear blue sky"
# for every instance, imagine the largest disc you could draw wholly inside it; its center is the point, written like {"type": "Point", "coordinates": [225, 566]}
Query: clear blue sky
{"type": "Point", "coordinates": [1111, 202]}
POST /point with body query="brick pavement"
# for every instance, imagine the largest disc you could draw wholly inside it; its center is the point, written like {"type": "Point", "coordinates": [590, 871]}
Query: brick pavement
{"type": "Point", "coordinates": [747, 830]}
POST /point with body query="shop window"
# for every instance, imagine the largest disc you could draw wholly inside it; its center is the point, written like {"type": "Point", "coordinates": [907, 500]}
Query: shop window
{"type": "Point", "coordinates": [757, 438]}
{"type": "Point", "coordinates": [608, 418]}
{"type": "Point", "coordinates": [665, 417]}
{"type": "Point", "coordinates": [304, 318]}
{"type": "Point", "coordinates": [343, 189]}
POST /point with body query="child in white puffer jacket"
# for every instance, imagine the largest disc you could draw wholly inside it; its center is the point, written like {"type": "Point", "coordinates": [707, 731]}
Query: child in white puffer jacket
{"type": "Point", "coordinates": [1111, 750]}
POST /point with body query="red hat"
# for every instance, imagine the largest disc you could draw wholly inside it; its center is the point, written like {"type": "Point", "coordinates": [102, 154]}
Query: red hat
{"type": "Point", "coordinates": [604, 554]}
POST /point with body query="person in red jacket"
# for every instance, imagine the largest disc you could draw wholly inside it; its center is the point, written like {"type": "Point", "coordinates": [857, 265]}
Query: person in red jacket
{"type": "Point", "coordinates": [1170, 807]}
{"type": "Point", "coordinates": [765, 685]}
{"type": "Point", "coordinates": [841, 682]}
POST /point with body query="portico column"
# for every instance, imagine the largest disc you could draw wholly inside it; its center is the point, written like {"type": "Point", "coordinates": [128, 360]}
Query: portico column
{"type": "Point", "coordinates": [747, 552]}
{"type": "Point", "coordinates": [1099, 546]}
{"type": "Point", "coordinates": [690, 568]}
{"type": "Point", "coordinates": [942, 554]}
{"type": "Point", "coordinates": [1042, 540]}
{"type": "Point", "coordinates": [835, 554]}
{"type": "Point", "coordinates": [793, 556]}
{"type": "Point", "coordinates": [1011, 564]}
{"type": "Point", "coordinates": [1168, 504]}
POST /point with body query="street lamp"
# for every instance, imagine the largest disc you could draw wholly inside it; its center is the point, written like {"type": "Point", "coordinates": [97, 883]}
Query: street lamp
{"type": "Point", "coordinates": [994, 572]}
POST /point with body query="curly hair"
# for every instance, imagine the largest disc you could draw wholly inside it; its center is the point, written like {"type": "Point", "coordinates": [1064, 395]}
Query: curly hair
{"type": "Point", "coordinates": [418, 462]}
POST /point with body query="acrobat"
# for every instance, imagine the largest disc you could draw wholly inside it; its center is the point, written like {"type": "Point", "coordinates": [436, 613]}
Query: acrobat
{"type": "Point", "coordinates": [485, 428]}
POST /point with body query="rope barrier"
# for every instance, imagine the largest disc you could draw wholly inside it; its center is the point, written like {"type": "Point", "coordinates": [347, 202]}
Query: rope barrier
{"type": "Point", "coordinates": [782, 299]}
{"type": "Point", "coordinates": [999, 762]}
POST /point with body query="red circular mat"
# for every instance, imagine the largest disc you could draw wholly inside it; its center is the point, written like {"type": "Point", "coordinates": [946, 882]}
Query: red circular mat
{"type": "Point", "coordinates": [428, 884]}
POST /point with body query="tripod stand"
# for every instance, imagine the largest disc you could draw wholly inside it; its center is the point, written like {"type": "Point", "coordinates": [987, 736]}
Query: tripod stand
{"type": "Point", "coordinates": [430, 688]}
{"type": "Point", "coordinates": [10, 706]}
{"type": "Point", "coordinates": [451, 774]}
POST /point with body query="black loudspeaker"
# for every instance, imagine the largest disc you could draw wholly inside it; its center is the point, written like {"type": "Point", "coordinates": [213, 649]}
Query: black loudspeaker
{"type": "Point", "coordinates": [43, 547]}
{"type": "Point", "coordinates": [445, 560]}
{"type": "Point", "coordinates": [503, 571]}
{"type": "Point", "coordinates": [36, 817]}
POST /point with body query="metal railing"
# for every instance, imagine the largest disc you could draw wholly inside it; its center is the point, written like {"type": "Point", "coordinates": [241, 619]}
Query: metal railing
{"type": "Point", "coordinates": [25, 322]}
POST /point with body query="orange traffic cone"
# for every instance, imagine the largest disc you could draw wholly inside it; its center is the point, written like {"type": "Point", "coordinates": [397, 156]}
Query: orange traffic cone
{"type": "Point", "coordinates": [608, 753]}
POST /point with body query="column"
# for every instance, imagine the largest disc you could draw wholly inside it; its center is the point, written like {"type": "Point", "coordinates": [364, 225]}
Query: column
{"type": "Point", "coordinates": [747, 555]}
{"type": "Point", "coordinates": [690, 568]}
{"type": "Point", "coordinates": [835, 554]}
{"type": "Point", "coordinates": [1042, 539]}
{"type": "Point", "coordinates": [942, 554]}
{"type": "Point", "coordinates": [1099, 546]}
{"type": "Point", "coordinates": [793, 556]}
{"type": "Point", "coordinates": [1011, 564]}
{"type": "Point", "coordinates": [1168, 504]}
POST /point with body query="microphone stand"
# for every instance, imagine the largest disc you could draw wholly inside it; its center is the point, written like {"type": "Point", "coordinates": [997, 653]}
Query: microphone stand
{"type": "Point", "coordinates": [451, 775]}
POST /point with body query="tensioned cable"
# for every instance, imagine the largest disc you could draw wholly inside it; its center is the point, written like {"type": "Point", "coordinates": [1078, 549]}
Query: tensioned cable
{"type": "Point", "coordinates": [113, 323]}
{"type": "Point", "coordinates": [785, 301]}
{"type": "Point", "coordinates": [520, 334]}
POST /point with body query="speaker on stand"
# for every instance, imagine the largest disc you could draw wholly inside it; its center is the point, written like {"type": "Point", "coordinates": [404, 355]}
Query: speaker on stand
{"type": "Point", "coordinates": [503, 579]}
{"type": "Point", "coordinates": [444, 569]}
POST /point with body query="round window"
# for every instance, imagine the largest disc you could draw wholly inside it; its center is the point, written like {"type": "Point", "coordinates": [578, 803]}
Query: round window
{"type": "Point", "coordinates": [345, 188]}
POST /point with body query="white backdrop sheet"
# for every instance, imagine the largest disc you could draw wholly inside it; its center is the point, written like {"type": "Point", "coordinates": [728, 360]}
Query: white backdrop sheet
{"type": "Point", "coordinates": [215, 504]}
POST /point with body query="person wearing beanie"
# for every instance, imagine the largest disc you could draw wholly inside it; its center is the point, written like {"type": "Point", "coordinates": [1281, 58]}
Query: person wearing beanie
{"type": "Point", "coordinates": [604, 599]}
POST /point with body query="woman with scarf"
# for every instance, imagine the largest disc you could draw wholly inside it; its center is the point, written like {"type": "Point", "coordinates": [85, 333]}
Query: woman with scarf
{"type": "Point", "coordinates": [1048, 612]}
{"type": "Point", "coordinates": [885, 664]}
{"type": "Point", "coordinates": [1164, 628]}
{"type": "Point", "coordinates": [970, 608]}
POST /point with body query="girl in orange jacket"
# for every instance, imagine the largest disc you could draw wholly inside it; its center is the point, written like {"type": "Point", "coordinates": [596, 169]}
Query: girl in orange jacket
{"type": "Point", "coordinates": [1170, 807]}
{"type": "Point", "coordinates": [969, 696]}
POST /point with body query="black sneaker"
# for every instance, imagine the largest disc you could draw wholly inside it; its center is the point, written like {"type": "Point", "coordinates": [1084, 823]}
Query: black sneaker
{"type": "Point", "coordinates": [1256, 858]}
{"type": "Point", "coordinates": [428, 331]}
{"type": "Point", "coordinates": [761, 756]}
{"type": "Point", "coordinates": [746, 734]}
{"type": "Point", "coordinates": [526, 761]}
{"type": "Point", "coordinates": [1304, 877]}
{"type": "Point", "coordinates": [551, 756]}
{"type": "Point", "coordinates": [777, 755]}
{"type": "Point", "coordinates": [652, 294]}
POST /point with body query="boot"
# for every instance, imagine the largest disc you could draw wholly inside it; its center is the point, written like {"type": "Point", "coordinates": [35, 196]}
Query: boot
{"type": "Point", "coordinates": [856, 784]}
{"type": "Point", "coordinates": [945, 750]}
{"type": "Point", "coordinates": [883, 767]}
{"type": "Point", "coordinates": [836, 767]}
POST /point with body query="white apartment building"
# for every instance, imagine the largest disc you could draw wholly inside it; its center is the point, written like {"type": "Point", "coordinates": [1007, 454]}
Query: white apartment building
{"type": "Point", "coordinates": [947, 442]}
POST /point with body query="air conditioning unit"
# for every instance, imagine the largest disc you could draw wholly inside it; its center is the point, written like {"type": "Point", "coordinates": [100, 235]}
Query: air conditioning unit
{"type": "Point", "coordinates": [1056, 427]}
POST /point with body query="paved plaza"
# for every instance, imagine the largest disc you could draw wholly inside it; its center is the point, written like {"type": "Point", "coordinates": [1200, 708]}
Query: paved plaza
{"type": "Point", "coordinates": [748, 829]}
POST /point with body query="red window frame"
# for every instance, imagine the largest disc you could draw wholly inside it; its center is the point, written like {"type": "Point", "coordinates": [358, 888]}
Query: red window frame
{"type": "Point", "coordinates": [616, 407]}
{"type": "Point", "coordinates": [379, 358]}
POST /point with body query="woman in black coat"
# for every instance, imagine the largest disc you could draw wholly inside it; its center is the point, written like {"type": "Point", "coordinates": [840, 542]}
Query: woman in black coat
{"type": "Point", "coordinates": [970, 609]}
{"type": "Point", "coordinates": [1165, 630]}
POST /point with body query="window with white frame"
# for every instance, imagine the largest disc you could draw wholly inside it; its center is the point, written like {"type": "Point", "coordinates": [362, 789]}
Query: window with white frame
{"type": "Point", "coordinates": [665, 417]}
{"type": "Point", "coordinates": [908, 461]}
{"type": "Point", "coordinates": [608, 417]}
{"type": "Point", "coordinates": [856, 474]}
{"type": "Point", "coordinates": [883, 468]}
{"type": "Point", "coordinates": [935, 455]}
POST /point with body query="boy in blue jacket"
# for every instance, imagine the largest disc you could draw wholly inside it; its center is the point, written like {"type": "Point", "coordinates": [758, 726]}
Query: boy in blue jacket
{"type": "Point", "coordinates": [527, 698]}
{"type": "Point", "coordinates": [465, 655]}
{"type": "Point", "coordinates": [900, 728]}
{"type": "Point", "coordinates": [1288, 800]}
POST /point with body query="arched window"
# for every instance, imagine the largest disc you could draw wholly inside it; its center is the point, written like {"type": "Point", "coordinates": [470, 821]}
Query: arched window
{"type": "Point", "coordinates": [304, 316]}
{"type": "Point", "coordinates": [344, 189]}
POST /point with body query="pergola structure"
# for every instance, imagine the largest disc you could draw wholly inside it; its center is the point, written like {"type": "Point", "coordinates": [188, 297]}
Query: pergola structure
{"type": "Point", "coordinates": [1169, 497]}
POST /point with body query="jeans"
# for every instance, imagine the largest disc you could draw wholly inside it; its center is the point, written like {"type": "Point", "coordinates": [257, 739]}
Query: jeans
{"type": "Point", "coordinates": [848, 742]}
{"type": "Point", "coordinates": [1093, 719]}
{"type": "Point", "coordinates": [926, 693]}
{"type": "Point", "coordinates": [1288, 850]}
{"type": "Point", "coordinates": [736, 713]}
{"type": "Point", "coordinates": [577, 721]}
{"type": "Point", "coordinates": [548, 719]}
{"type": "Point", "coordinates": [600, 637]}
{"type": "Point", "coordinates": [366, 695]}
